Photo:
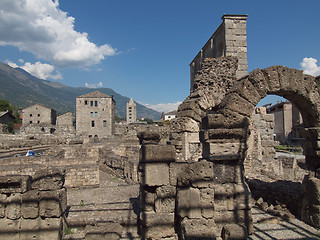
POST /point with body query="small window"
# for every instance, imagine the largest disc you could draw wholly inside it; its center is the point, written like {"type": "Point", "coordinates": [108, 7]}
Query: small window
{"type": "Point", "coordinates": [91, 114]}
{"type": "Point", "coordinates": [85, 102]}
{"type": "Point", "coordinates": [38, 114]}
{"type": "Point", "coordinates": [38, 122]}
{"type": "Point", "coordinates": [95, 114]}
{"type": "Point", "coordinates": [90, 136]}
{"type": "Point", "coordinates": [30, 114]}
{"type": "Point", "coordinates": [96, 103]}
{"type": "Point", "coordinates": [92, 123]}
{"type": "Point", "coordinates": [104, 123]}
{"type": "Point", "coordinates": [30, 122]}
{"type": "Point", "coordinates": [91, 103]}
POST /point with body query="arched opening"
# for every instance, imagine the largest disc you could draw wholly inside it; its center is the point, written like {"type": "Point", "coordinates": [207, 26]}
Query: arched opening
{"type": "Point", "coordinates": [230, 124]}
{"type": "Point", "coordinates": [274, 166]}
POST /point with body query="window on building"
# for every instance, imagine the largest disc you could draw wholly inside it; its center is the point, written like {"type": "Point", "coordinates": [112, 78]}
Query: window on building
{"type": "Point", "coordinates": [104, 123]}
{"type": "Point", "coordinates": [85, 102]}
{"type": "Point", "coordinates": [92, 123]}
{"type": "Point", "coordinates": [96, 103]}
{"type": "Point", "coordinates": [91, 103]}
{"type": "Point", "coordinates": [30, 114]}
{"type": "Point", "coordinates": [38, 114]}
{"type": "Point", "coordinates": [90, 136]}
{"type": "Point", "coordinates": [95, 114]}
{"type": "Point", "coordinates": [91, 114]}
{"type": "Point", "coordinates": [30, 122]}
{"type": "Point", "coordinates": [38, 122]}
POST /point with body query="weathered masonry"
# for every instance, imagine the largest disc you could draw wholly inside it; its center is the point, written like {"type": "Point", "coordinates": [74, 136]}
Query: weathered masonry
{"type": "Point", "coordinates": [230, 39]}
{"type": "Point", "coordinates": [95, 115]}
{"type": "Point", "coordinates": [193, 187]}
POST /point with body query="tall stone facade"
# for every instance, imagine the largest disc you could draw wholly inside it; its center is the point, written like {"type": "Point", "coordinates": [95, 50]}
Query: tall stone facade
{"type": "Point", "coordinates": [38, 114]}
{"type": "Point", "coordinates": [131, 111]}
{"type": "Point", "coordinates": [230, 39]}
{"type": "Point", "coordinates": [95, 115]}
{"type": "Point", "coordinates": [287, 123]}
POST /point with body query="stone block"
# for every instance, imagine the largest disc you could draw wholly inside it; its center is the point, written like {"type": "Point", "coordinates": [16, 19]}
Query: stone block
{"type": "Point", "coordinates": [52, 203]}
{"type": "Point", "coordinates": [154, 174]}
{"type": "Point", "coordinates": [234, 231]}
{"type": "Point", "coordinates": [184, 124]}
{"type": "Point", "coordinates": [222, 133]}
{"type": "Point", "coordinates": [30, 204]}
{"type": "Point", "coordinates": [226, 119]}
{"type": "Point", "coordinates": [223, 150]}
{"type": "Point", "coordinates": [247, 91]}
{"type": "Point", "coordinates": [147, 198]}
{"type": "Point", "coordinates": [103, 231]}
{"type": "Point", "coordinates": [199, 229]}
{"type": "Point", "coordinates": [49, 179]}
{"type": "Point", "coordinates": [197, 174]}
{"type": "Point", "coordinates": [157, 225]}
{"type": "Point", "coordinates": [157, 153]}
{"type": "Point", "coordinates": [13, 208]}
{"type": "Point", "coordinates": [149, 137]}
{"type": "Point", "coordinates": [235, 103]}
{"type": "Point", "coordinates": [227, 172]}
{"type": "Point", "coordinates": [258, 80]}
{"type": "Point", "coordinates": [14, 184]}
{"type": "Point", "coordinates": [188, 203]}
{"type": "Point", "coordinates": [233, 217]}
{"type": "Point", "coordinates": [8, 226]}
{"type": "Point", "coordinates": [3, 198]}
{"type": "Point", "coordinates": [165, 199]}
{"type": "Point", "coordinates": [175, 170]}
{"type": "Point", "coordinates": [207, 202]}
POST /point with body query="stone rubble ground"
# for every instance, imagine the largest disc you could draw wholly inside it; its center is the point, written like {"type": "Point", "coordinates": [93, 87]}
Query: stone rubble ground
{"type": "Point", "coordinates": [114, 208]}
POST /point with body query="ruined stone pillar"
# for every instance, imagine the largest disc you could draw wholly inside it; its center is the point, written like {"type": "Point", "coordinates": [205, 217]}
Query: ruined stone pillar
{"type": "Point", "coordinates": [157, 195]}
{"type": "Point", "coordinates": [224, 145]}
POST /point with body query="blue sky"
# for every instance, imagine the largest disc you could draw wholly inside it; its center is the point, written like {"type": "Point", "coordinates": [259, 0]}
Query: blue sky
{"type": "Point", "coordinates": [142, 49]}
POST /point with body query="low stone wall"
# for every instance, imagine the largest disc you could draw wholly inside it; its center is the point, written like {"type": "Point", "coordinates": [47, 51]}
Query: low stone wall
{"type": "Point", "coordinates": [79, 172]}
{"type": "Point", "coordinates": [32, 207]}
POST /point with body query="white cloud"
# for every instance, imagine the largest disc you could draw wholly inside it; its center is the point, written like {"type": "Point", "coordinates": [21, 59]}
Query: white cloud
{"type": "Point", "coordinates": [163, 107]}
{"type": "Point", "coordinates": [39, 70]}
{"type": "Point", "coordinates": [309, 66]}
{"type": "Point", "coordinates": [40, 27]}
{"type": "Point", "coordinates": [93, 85]}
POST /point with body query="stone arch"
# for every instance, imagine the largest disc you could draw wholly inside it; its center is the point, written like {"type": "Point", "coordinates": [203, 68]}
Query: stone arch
{"type": "Point", "coordinates": [234, 111]}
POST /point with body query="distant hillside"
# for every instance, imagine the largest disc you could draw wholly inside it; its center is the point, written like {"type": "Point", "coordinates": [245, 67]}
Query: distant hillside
{"type": "Point", "coordinates": [23, 89]}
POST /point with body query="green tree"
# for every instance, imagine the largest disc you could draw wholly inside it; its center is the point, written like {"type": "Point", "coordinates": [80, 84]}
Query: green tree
{"type": "Point", "coordinates": [5, 106]}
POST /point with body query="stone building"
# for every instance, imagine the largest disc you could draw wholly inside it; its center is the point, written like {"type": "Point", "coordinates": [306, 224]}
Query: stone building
{"type": "Point", "coordinates": [170, 115]}
{"type": "Point", "coordinates": [230, 39]}
{"type": "Point", "coordinates": [131, 111]}
{"type": "Point", "coordinates": [38, 114]}
{"type": "Point", "coordinates": [5, 118]}
{"type": "Point", "coordinates": [95, 115]}
{"type": "Point", "coordinates": [287, 123]}
{"type": "Point", "coordinates": [66, 119]}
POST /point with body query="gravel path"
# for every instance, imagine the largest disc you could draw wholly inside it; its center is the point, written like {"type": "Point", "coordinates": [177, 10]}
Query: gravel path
{"type": "Point", "coordinates": [268, 227]}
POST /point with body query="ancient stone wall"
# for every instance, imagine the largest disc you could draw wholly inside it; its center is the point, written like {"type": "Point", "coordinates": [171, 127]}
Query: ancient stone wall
{"type": "Point", "coordinates": [230, 39]}
{"type": "Point", "coordinates": [260, 143]}
{"type": "Point", "coordinates": [32, 207]}
{"type": "Point", "coordinates": [81, 168]}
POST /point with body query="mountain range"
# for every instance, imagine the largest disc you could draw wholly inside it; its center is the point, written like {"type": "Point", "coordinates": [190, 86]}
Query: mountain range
{"type": "Point", "coordinates": [23, 90]}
